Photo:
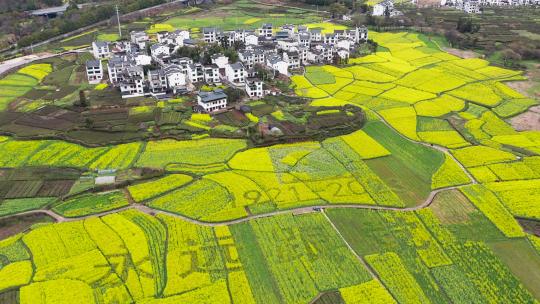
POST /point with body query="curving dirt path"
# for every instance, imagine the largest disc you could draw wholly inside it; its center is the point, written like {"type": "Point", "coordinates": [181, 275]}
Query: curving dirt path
{"type": "Point", "coordinates": [300, 210]}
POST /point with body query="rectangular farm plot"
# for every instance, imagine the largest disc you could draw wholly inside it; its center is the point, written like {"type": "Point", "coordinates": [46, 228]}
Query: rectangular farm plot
{"type": "Point", "coordinates": [12, 206]}
{"type": "Point", "coordinates": [481, 155]}
{"type": "Point", "coordinates": [147, 190]}
{"type": "Point", "coordinates": [317, 75]}
{"type": "Point", "coordinates": [304, 256]}
{"type": "Point", "coordinates": [203, 151]}
{"type": "Point", "coordinates": [91, 204]}
{"type": "Point", "coordinates": [410, 166]}
{"type": "Point", "coordinates": [407, 95]}
{"type": "Point", "coordinates": [364, 145]}
{"type": "Point", "coordinates": [403, 119]}
{"type": "Point", "coordinates": [399, 281]}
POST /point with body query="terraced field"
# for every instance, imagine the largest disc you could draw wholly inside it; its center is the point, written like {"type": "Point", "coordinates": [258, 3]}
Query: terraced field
{"type": "Point", "coordinates": [417, 207]}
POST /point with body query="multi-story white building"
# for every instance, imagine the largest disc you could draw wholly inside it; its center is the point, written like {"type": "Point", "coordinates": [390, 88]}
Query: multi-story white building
{"type": "Point", "coordinates": [251, 39]}
{"type": "Point", "coordinates": [304, 39]}
{"type": "Point", "coordinates": [125, 47]}
{"type": "Point", "coordinates": [140, 38]}
{"type": "Point", "coordinates": [94, 71]}
{"type": "Point", "coordinates": [316, 35]}
{"type": "Point", "coordinates": [175, 38]}
{"type": "Point", "coordinates": [292, 59]}
{"type": "Point", "coordinates": [100, 49]}
{"type": "Point", "coordinates": [276, 63]}
{"type": "Point", "coordinates": [251, 57]}
{"type": "Point", "coordinates": [381, 8]}
{"type": "Point", "coordinates": [195, 72]}
{"type": "Point", "coordinates": [330, 39]}
{"type": "Point", "coordinates": [116, 66]}
{"type": "Point", "coordinates": [176, 78]}
{"type": "Point", "coordinates": [212, 101]}
{"type": "Point", "coordinates": [254, 88]}
{"type": "Point", "coordinates": [211, 74]}
{"type": "Point", "coordinates": [132, 82]}
{"type": "Point", "coordinates": [157, 82]}
{"type": "Point", "coordinates": [211, 34]}
{"type": "Point", "coordinates": [266, 30]}
{"type": "Point", "coordinates": [220, 60]}
{"type": "Point", "coordinates": [160, 50]}
{"type": "Point", "coordinates": [235, 73]}
{"type": "Point", "coordinates": [471, 7]}
{"type": "Point", "coordinates": [141, 59]}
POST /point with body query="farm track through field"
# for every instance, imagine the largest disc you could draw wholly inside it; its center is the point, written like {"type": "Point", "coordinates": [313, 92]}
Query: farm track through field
{"type": "Point", "coordinates": [300, 210]}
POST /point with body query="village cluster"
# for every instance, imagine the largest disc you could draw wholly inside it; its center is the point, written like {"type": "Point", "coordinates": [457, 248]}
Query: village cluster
{"type": "Point", "coordinates": [475, 6]}
{"type": "Point", "coordinates": [139, 68]}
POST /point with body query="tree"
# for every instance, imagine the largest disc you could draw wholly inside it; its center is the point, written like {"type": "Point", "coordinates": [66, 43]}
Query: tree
{"type": "Point", "coordinates": [510, 57]}
{"type": "Point", "coordinates": [82, 99]}
{"type": "Point", "coordinates": [453, 37]}
{"type": "Point", "coordinates": [262, 72]}
{"type": "Point", "coordinates": [234, 95]}
{"type": "Point", "coordinates": [337, 9]}
{"type": "Point", "coordinates": [358, 20]}
{"type": "Point", "coordinates": [466, 25]}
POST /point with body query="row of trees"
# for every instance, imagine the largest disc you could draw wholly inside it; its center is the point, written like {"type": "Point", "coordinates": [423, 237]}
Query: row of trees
{"type": "Point", "coordinates": [39, 29]}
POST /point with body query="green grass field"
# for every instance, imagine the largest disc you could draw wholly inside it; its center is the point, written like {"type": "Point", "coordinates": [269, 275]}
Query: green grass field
{"type": "Point", "coordinates": [409, 168]}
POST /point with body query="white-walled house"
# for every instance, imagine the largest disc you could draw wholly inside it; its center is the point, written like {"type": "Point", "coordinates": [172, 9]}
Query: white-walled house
{"type": "Point", "coordinates": [210, 34]}
{"type": "Point", "coordinates": [343, 53]}
{"type": "Point", "coordinates": [292, 59]}
{"type": "Point", "coordinates": [100, 49]}
{"type": "Point", "coordinates": [211, 74]}
{"type": "Point", "coordinates": [195, 72]}
{"type": "Point", "coordinates": [220, 60]}
{"type": "Point", "coordinates": [316, 35]}
{"type": "Point", "coordinates": [94, 71]}
{"type": "Point", "coordinates": [251, 39]}
{"type": "Point", "coordinates": [251, 57]}
{"type": "Point", "coordinates": [212, 101]}
{"type": "Point", "coordinates": [344, 44]}
{"type": "Point", "coordinates": [140, 38]}
{"type": "Point", "coordinates": [141, 59]}
{"type": "Point", "coordinates": [235, 73]}
{"type": "Point", "coordinates": [160, 50]}
{"type": "Point", "coordinates": [266, 30]}
{"type": "Point", "coordinates": [176, 79]}
{"type": "Point", "coordinates": [254, 88]}
{"type": "Point", "coordinates": [277, 64]}
{"type": "Point", "coordinates": [380, 8]}
{"type": "Point", "coordinates": [157, 82]}
{"type": "Point", "coordinates": [131, 81]}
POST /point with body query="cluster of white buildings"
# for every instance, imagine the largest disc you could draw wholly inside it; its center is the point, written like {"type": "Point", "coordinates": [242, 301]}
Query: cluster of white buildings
{"type": "Point", "coordinates": [139, 68]}
{"type": "Point", "coordinates": [386, 7]}
{"type": "Point", "coordinates": [474, 6]}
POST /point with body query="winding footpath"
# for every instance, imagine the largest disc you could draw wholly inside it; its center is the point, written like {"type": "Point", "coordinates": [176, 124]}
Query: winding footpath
{"type": "Point", "coordinates": [300, 210]}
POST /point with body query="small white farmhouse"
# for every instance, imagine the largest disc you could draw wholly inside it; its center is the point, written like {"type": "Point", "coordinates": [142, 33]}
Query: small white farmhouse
{"type": "Point", "coordinates": [236, 73]}
{"type": "Point", "coordinates": [100, 49]}
{"type": "Point", "coordinates": [212, 101]}
{"type": "Point", "coordinates": [94, 71]}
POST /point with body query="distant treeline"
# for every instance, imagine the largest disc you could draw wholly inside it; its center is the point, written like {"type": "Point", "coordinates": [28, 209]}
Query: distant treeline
{"type": "Point", "coordinates": [39, 29]}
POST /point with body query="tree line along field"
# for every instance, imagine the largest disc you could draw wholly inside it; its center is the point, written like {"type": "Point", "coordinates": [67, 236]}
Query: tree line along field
{"type": "Point", "coordinates": [435, 122]}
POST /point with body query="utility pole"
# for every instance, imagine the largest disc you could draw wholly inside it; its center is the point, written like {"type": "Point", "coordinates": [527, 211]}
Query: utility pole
{"type": "Point", "coordinates": [118, 20]}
